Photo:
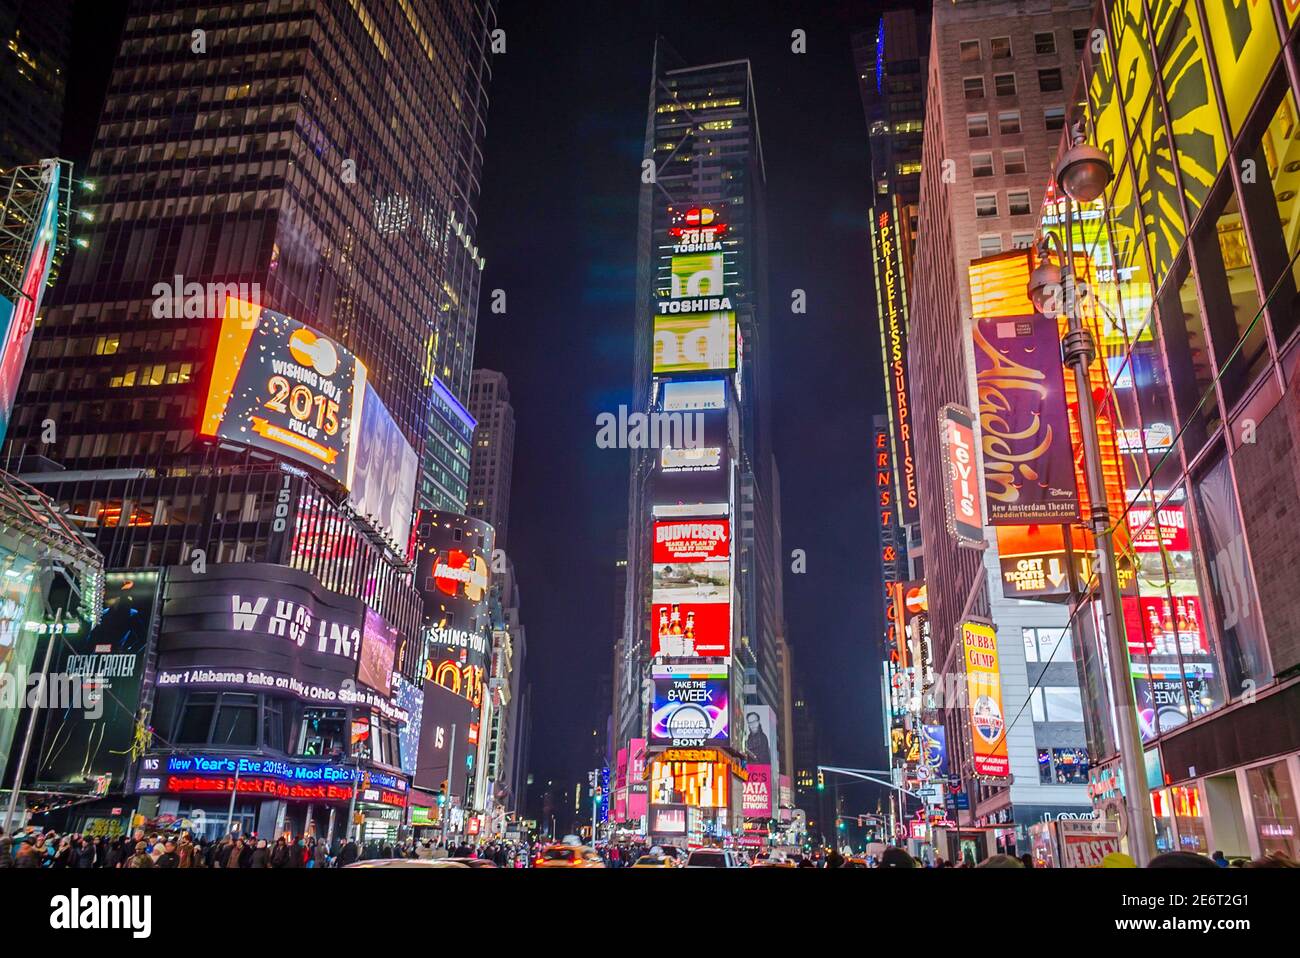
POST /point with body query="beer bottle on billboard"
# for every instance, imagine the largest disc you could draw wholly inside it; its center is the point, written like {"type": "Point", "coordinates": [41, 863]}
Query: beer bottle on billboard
{"type": "Point", "coordinates": [675, 621]}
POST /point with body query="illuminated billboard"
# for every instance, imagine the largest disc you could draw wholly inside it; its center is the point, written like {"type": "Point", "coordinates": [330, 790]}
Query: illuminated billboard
{"type": "Point", "coordinates": [382, 475]}
{"type": "Point", "coordinates": [453, 578]}
{"type": "Point", "coordinates": [892, 308]}
{"type": "Point", "coordinates": [692, 540]}
{"type": "Point", "coordinates": [698, 475]}
{"type": "Point", "coordinates": [696, 274]}
{"type": "Point", "coordinates": [18, 316]}
{"type": "Point", "coordinates": [1024, 424]}
{"type": "Point", "coordinates": [696, 227]}
{"type": "Point", "coordinates": [695, 342]}
{"type": "Point", "coordinates": [258, 627]}
{"type": "Point", "coordinates": [691, 706]}
{"type": "Point", "coordinates": [378, 647]}
{"type": "Point", "coordinates": [962, 503]}
{"type": "Point", "coordinates": [282, 387]}
{"type": "Point", "coordinates": [690, 629]}
{"type": "Point", "coordinates": [693, 395]}
{"type": "Point", "coordinates": [988, 722]}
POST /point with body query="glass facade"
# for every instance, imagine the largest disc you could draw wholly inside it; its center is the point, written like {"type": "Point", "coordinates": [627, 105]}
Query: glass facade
{"type": "Point", "coordinates": [1190, 265]}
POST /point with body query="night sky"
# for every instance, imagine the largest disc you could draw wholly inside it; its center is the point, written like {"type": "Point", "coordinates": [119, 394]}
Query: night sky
{"type": "Point", "coordinates": [557, 226]}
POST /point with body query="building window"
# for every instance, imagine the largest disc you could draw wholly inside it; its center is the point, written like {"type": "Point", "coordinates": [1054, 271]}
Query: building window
{"type": "Point", "coordinates": [1044, 43]}
{"type": "Point", "coordinates": [977, 124]}
{"type": "Point", "coordinates": [1273, 800]}
{"type": "Point", "coordinates": [1063, 704]}
{"type": "Point", "coordinates": [1080, 38]}
{"type": "Point", "coordinates": [1022, 240]}
{"type": "Point", "coordinates": [1272, 205]}
{"type": "Point", "coordinates": [981, 164]}
{"type": "Point", "coordinates": [1009, 121]}
{"type": "Point", "coordinates": [970, 51]}
{"type": "Point", "coordinates": [1013, 161]}
{"type": "Point", "coordinates": [1018, 202]}
{"type": "Point", "coordinates": [1070, 766]}
{"type": "Point", "coordinates": [1054, 118]}
{"type": "Point", "coordinates": [974, 87]}
{"type": "Point", "coordinates": [990, 244]}
{"type": "Point", "coordinates": [1243, 646]}
{"type": "Point", "coordinates": [1048, 645]}
{"type": "Point", "coordinates": [1000, 48]}
{"type": "Point", "coordinates": [1049, 81]}
{"type": "Point", "coordinates": [1229, 299]}
{"type": "Point", "coordinates": [1004, 84]}
{"type": "Point", "coordinates": [986, 204]}
{"type": "Point", "coordinates": [196, 718]}
{"type": "Point", "coordinates": [236, 720]}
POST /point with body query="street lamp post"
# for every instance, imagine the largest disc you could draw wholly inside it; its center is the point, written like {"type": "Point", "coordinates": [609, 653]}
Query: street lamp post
{"type": "Point", "coordinates": [1082, 175]}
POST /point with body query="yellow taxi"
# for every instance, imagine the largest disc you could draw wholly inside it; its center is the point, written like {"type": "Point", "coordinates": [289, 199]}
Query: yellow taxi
{"type": "Point", "coordinates": [568, 856]}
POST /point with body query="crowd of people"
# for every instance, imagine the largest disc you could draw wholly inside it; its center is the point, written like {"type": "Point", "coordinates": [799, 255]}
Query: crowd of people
{"type": "Point", "coordinates": [34, 848]}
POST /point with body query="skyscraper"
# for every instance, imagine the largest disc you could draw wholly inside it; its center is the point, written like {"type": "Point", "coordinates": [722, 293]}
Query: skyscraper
{"type": "Point", "coordinates": [995, 109]}
{"type": "Point", "coordinates": [319, 162]}
{"type": "Point", "coordinates": [492, 463]}
{"type": "Point", "coordinates": [701, 351]}
{"type": "Point", "coordinates": [33, 78]}
{"type": "Point", "coordinates": [489, 500]}
{"type": "Point", "coordinates": [264, 179]}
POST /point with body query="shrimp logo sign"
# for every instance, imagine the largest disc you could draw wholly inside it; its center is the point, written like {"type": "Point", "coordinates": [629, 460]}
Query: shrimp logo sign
{"type": "Point", "coordinates": [979, 643]}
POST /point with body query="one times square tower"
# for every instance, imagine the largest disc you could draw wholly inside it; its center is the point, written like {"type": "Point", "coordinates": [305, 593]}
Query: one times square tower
{"type": "Point", "coordinates": [707, 516]}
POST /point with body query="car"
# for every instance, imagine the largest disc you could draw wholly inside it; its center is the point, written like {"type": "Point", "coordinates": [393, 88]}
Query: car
{"type": "Point", "coordinates": [713, 858]}
{"type": "Point", "coordinates": [408, 863]}
{"type": "Point", "coordinates": [474, 862]}
{"type": "Point", "coordinates": [568, 856]}
{"type": "Point", "coordinates": [652, 861]}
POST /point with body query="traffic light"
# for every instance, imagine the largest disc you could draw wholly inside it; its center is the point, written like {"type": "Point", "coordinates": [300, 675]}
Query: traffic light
{"type": "Point", "coordinates": [442, 794]}
{"type": "Point", "coordinates": [821, 780]}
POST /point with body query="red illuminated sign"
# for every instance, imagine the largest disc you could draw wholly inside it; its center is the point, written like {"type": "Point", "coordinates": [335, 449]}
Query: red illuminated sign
{"type": "Point", "coordinates": [962, 499]}
{"type": "Point", "coordinates": [272, 787]}
{"type": "Point", "coordinates": [692, 540]}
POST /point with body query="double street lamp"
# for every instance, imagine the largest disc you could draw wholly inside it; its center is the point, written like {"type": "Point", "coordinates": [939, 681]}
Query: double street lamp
{"type": "Point", "coordinates": [1082, 175]}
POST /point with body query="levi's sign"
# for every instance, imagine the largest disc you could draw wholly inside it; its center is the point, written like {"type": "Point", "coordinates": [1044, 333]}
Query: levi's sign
{"type": "Point", "coordinates": [962, 500]}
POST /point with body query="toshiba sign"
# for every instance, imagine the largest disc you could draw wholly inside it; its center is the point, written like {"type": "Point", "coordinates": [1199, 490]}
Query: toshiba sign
{"type": "Point", "coordinates": [962, 498]}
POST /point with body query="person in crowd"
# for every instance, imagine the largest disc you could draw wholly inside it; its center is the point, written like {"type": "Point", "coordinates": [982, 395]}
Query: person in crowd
{"type": "Point", "coordinates": [141, 858]}
{"type": "Point", "coordinates": [236, 852]}
{"type": "Point", "coordinates": [1274, 860]}
{"type": "Point", "coordinates": [261, 855]}
{"type": "Point", "coordinates": [1027, 860]}
{"type": "Point", "coordinates": [186, 851]}
{"type": "Point", "coordinates": [280, 854]}
{"type": "Point", "coordinates": [348, 854]}
{"type": "Point", "coordinates": [26, 854]}
{"type": "Point", "coordinates": [6, 851]}
{"type": "Point", "coordinates": [1001, 861]}
{"type": "Point", "coordinates": [895, 857]}
{"type": "Point", "coordinates": [1181, 860]}
{"type": "Point", "coordinates": [168, 858]}
{"type": "Point", "coordinates": [1220, 859]}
